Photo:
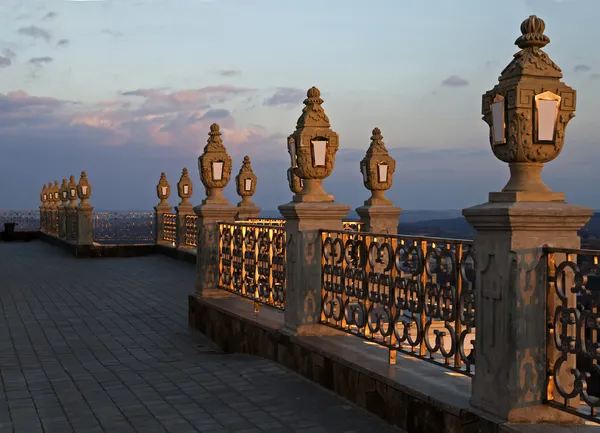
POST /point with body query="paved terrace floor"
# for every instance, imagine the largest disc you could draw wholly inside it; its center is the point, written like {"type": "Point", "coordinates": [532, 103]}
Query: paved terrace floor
{"type": "Point", "coordinates": [102, 345]}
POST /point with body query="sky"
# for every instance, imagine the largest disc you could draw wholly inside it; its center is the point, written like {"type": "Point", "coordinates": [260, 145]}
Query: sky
{"type": "Point", "coordinates": [126, 89]}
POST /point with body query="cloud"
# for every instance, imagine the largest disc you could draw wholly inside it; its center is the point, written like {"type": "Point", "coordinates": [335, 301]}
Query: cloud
{"type": "Point", "coordinates": [7, 52]}
{"type": "Point", "coordinates": [229, 72]}
{"type": "Point", "coordinates": [595, 76]}
{"type": "Point", "coordinates": [62, 42]}
{"type": "Point", "coordinates": [35, 32]}
{"type": "Point", "coordinates": [582, 68]}
{"type": "Point", "coordinates": [285, 97]}
{"type": "Point", "coordinates": [455, 81]}
{"type": "Point", "coordinates": [113, 33]}
{"type": "Point", "coordinates": [49, 16]}
{"type": "Point", "coordinates": [5, 62]}
{"type": "Point", "coordinates": [40, 61]}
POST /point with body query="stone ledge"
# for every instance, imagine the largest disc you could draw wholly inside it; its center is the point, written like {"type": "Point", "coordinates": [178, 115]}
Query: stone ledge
{"type": "Point", "coordinates": [186, 255]}
{"type": "Point", "coordinates": [414, 395]}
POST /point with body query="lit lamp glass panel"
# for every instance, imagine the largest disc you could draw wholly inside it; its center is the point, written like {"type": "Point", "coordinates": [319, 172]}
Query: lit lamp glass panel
{"type": "Point", "coordinates": [319, 149]}
{"type": "Point", "coordinates": [547, 104]}
{"type": "Point", "coordinates": [163, 190]}
{"type": "Point", "coordinates": [217, 170]}
{"type": "Point", "coordinates": [247, 184]}
{"type": "Point", "coordinates": [186, 189]}
{"type": "Point", "coordinates": [73, 192]}
{"type": "Point", "coordinates": [498, 123]}
{"type": "Point", "coordinates": [64, 194]}
{"type": "Point", "coordinates": [84, 189]}
{"type": "Point", "coordinates": [56, 195]}
{"type": "Point", "coordinates": [292, 151]}
{"type": "Point", "coordinates": [382, 173]}
{"type": "Point", "coordinates": [45, 197]}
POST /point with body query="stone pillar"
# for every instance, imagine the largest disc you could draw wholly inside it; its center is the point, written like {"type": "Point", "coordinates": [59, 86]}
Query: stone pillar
{"type": "Point", "coordinates": [513, 227]}
{"type": "Point", "coordinates": [85, 226]}
{"type": "Point", "coordinates": [378, 214]}
{"type": "Point", "coordinates": [44, 200]}
{"type": "Point", "coordinates": [215, 172]}
{"type": "Point", "coordinates": [163, 191]}
{"type": "Point", "coordinates": [245, 183]}
{"type": "Point", "coordinates": [71, 211]}
{"type": "Point", "coordinates": [54, 209]}
{"type": "Point", "coordinates": [312, 148]}
{"type": "Point", "coordinates": [183, 209]}
{"type": "Point", "coordinates": [62, 220]}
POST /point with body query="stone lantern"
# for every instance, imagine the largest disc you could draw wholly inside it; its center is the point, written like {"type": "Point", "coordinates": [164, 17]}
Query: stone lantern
{"type": "Point", "coordinates": [184, 188]}
{"type": "Point", "coordinates": [72, 187]}
{"type": "Point", "coordinates": [312, 149]}
{"type": "Point", "coordinates": [377, 167]}
{"type": "Point", "coordinates": [64, 198]}
{"type": "Point", "coordinates": [84, 190]}
{"type": "Point", "coordinates": [163, 190]}
{"type": "Point", "coordinates": [215, 167]}
{"type": "Point", "coordinates": [528, 112]}
{"type": "Point", "coordinates": [246, 186]}
{"type": "Point", "coordinates": [55, 198]}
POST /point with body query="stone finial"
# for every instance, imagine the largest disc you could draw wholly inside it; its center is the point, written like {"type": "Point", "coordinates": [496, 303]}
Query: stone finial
{"type": "Point", "coordinates": [377, 168]}
{"type": "Point", "coordinates": [184, 188]}
{"type": "Point", "coordinates": [163, 190]}
{"type": "Point", "coordinates": [294, 182]}
{"type": "Point", "coordinates": [315, 146]}
{"type": "Point", "coordinates": [44, 196]}
{"type": "Point", "coordinates": [245, 182]}
{"type": "Point", "coordinates": [84, 189]}
{"type": "Point", "coordinates": [215, 167]}
{"type": "Point", "coordinates": [64, 192]}
{"type": "Point", "coordinates": [72, 186]}
{"type": "Point", "coordinates": [522, 134]}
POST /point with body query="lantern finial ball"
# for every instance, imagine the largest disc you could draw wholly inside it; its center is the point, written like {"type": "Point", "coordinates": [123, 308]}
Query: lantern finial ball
{"type": "Point", "coordinates": [533, 36]}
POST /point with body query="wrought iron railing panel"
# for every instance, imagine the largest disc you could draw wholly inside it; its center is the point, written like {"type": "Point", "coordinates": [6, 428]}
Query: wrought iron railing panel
{"type": "Point", "coordinates": [354, 226]}
{"type": "Point", "coordinates": [169, 227]}
{"type": "Point", "coordinates": [191, 230]}
{"type": "Point", "coordinates": [26, 220]}
{"type": "Point", "coordinates": [123, 227]}
{"type": "Point", "coordinates": [411, 294]}
{"type": "Point", "coordinates": [252, 262]}
{"type": "Point", "coordinates": [573, 316]}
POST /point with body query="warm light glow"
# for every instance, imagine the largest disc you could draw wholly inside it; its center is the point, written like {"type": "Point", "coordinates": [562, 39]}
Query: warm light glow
{"type": "Point", "coordinates": [163, 190]}
{"type": "Point", "coordinates": [247, 184]}
{"type": "Point", "coordinates": [84, 189]}
{"type": "Point", "coordinates": [547, 104]}
{"type": "Point", "coordinates": [364, 171]}
{"type": "Point", "coordinates": [56, 195]}
{"type": "Point", "coordinates": [186, 189]}
{"type": "Point", "coordinates": [292, 152]}
{"type": "Point", "coordinates": [73, 192]}
{"type": "Point", "coordinates": [217, 170]}
{"type": "Point", "coordinates": [498, 123]}
{"type": "Point", "coordinates": [382, 172]}
{"type": "Point", "coordinates": [319, 149]}
{"type": "Point", "coordinates": [45, 197]}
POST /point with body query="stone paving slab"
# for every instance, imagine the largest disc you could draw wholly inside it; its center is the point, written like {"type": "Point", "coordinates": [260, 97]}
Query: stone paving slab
{"type": "Point", "coordinates": [102, 345]}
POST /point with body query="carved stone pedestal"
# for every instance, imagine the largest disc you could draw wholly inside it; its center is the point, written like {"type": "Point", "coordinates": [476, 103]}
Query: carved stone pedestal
{"type": "Point", "coordinates": [85, 230]}
{"type": "Point", "coordinates": [379, 218]}
{"type": "Point", "coordinates": [510, 379]}
{"type": "Point", "coordinates": [182, 212]}
{"type": "Point", "coordinates": [247, 211]}
{"type": "Point", "coordinates": [207, 261]}
{"type": "Point", "coordinates": [304, 262]}
{"type": "Point", "coordinates": [159, 222]}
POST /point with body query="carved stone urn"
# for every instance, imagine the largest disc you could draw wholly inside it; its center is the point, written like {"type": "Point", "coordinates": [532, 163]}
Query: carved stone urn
{"type": "Point", "coordinates": [527, 112]}
{"type": "Point", "coordinates": [215, 167]}
{"type": "Point", "coordinates": [163, 190]}
{"type": "Point", "coordinates": [377, 168]}
{"type": "Point", "coordinates": [245, 183]}
{"type": "Point", "coordinates": [84, 190]}
{"type": "Point", "coordinates": [314, 149]}
{"type": "Point", "coordinates": [184, 188]}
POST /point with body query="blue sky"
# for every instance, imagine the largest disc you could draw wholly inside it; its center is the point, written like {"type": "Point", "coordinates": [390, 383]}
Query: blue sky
{"type": "Point", "coordinates": [125, 89]}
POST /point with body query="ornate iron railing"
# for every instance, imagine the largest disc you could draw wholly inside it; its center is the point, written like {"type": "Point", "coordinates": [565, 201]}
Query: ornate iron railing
{"type": "Point", "coordinates": [191, 230]}
{"type": "Point", "coordinates": [122, 227]}
{"type": "Point", "coordinates": [26, 220]}
{"type": "Point", "coordinates": [573, 321]}
{"type": "Point", "coordinates": [252, 262]}
{"type": "Point", "coordinates": [411, 294]}
{"type": "Point", "coordinates": [169, 227]}
{"type": "Point", "coordinates": [354, 226]}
